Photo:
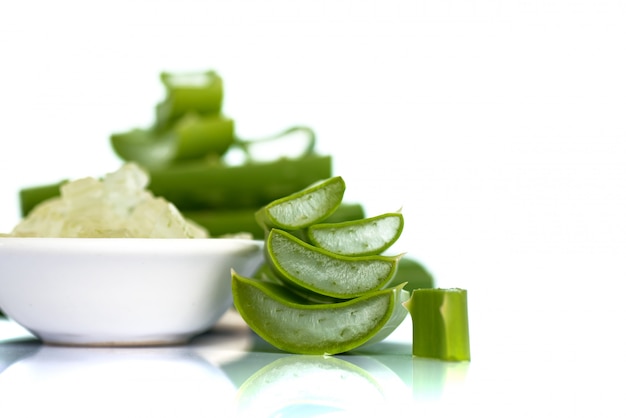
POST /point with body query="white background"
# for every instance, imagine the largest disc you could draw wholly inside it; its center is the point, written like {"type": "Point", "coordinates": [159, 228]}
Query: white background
{"type": "Point", "coordinates": [498, 126]}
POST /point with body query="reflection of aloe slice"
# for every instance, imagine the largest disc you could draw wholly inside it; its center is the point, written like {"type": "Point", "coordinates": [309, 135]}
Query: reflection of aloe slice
{"type": "Point", "coordinates": [291, 324]}
{"type": "Point", "coordinates": [309, 386]}
{"type": "Point", "coordinates": [359, 237]}
{"type": "Point", "coordinates": [317, 270]}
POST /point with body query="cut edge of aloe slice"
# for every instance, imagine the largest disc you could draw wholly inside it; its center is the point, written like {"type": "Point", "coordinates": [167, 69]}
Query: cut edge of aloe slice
{"type": "Point", "coordinates": [366, 236]}
{"type": "Point", "coordinates": [278, 317]}
{"type": "Point", "coordinates": [440, 323]}
{"type": "Point", "coordinates": [305, 207]}
{"type": "Point", "coordinates": [317, 270]}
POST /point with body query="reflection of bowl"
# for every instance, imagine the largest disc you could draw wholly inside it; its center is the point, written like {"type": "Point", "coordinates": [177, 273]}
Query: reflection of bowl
{"type": "Point", "coordinates": [120, 291]}
{"type": "Point", "coordinates": [107, 382]}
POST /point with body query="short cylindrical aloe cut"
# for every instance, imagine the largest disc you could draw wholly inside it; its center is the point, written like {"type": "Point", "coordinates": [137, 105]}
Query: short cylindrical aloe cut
{"type": "Point", "coordinates": [290, 324]}
{"type": "Point", "coordinates": [358, 237]}
{"type": "Point", "coordinates": [304, 208]}
{"type": "Point", "coordinates": [440, 323]}
{"type": "Point", "coordinates": [320, 271]}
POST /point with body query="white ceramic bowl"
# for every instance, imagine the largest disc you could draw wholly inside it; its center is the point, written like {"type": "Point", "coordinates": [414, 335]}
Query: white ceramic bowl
{"type": "Point", "coordinates": [120, 291]}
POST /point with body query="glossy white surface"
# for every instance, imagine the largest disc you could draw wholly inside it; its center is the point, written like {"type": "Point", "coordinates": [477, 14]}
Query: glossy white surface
{"type": "Point", "coordinates": [230, 372]}
{"type": "Point", "coordinates": [109, 291]}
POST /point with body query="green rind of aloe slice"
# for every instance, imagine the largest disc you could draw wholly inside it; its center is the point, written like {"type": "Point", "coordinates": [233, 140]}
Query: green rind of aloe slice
{"type": "Point", "coordinates": [290, 324]}
{"type": "Point", "coordinates": [314, 269]}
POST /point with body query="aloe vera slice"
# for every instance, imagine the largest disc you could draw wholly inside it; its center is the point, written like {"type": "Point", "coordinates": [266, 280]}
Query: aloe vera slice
{"type": "Point", "coordinates": [305, 207]}
{"type": "Point", "coordinates": [308, 267]}
{"type": "Point", "coordinates": [359, 237]}
{"type": "Point", "coordinates": [289, 323]}
{"type": "Point", "coordinates": [440, 323]}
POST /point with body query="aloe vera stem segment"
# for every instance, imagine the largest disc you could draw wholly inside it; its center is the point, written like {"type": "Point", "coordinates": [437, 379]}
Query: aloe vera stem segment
{"type": "Point", "coordinates": [440, 323]}
{"type": "Point", "coordinates": [201, 93]}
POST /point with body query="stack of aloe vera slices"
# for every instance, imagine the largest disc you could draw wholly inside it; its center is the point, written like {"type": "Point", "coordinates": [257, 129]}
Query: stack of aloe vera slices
{"type": "Point", "coordinates": [325, 286]}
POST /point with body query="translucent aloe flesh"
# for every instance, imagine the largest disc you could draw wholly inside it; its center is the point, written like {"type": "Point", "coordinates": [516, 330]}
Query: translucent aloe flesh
{"type": "Point", "coordinates": [440, 324]}
{"type": "Point", "coordinates": [305, 207]}
{"type": "Point", "coordinates": [359, 237]}
{"type": "Point", "coordinates": [320, 271]}
{"type": "Point", "coordinates": [291, 324]}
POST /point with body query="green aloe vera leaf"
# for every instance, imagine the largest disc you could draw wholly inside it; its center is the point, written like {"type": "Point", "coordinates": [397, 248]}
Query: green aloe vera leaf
{"type": "Point", "coordinates": [413, 273]}
{"type": "Point", "coordinates": [307, 267]}
{"type": "Point", "coordinates": [305, 207]}
{"type": "Point", "coordinates": [367, 236]}
{"type": "Point", "coordinates": [440, 323]}
{"type": "Point", "coordinates": [201, 136]}
{"type": "Point", "coordinates": [201, 93]}
{"type": "Point", "coordinates": [201, 185]}
{"type": "Point", "coordinates": [30, 197]}
{"type": "Point", "coordinates": [142, 146]}
{"type": "Point", "coordinates": [192, 137]}
{"type": "Point", "coordinates": [290, 323]}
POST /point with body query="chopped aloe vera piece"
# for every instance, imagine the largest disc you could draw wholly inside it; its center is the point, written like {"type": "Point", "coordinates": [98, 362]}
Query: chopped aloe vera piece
{"type": "Point", "coordinates": [314, 269]}
{"type": "Point", "coordinates": [305, 207]}
{"type": "Point", "coordinates": [201, 93]}
{"type": "Point", "coordinates": [291, 324]}
{"type": "Point", "coordinates": [202, 136]}
{"type": "Point", "coordinates": [116, 206]}
{"type": "Point", "coordinates": [414, 274]}
{"type": "Point", "coordinates": [359, 237]}
{"type": "Point", "coordinates": [32, 196]}
{"type": "Point", "coordinates": [192, 137]}
{"type": "Point", "coordinates": [440, 323]}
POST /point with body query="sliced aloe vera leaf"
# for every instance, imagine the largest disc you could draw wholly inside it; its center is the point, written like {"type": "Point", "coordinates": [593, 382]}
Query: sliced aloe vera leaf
{"type": "Point", "coordinates": [289, 323]}
{"type": "Point", "coordinates": [314, 269]}
{"type": "Point", "coordinates": [440, 323]}
{"type": "Point", "coordinates": [367, 236]}
{"type": "Point", "coordinates": [303, 208]}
